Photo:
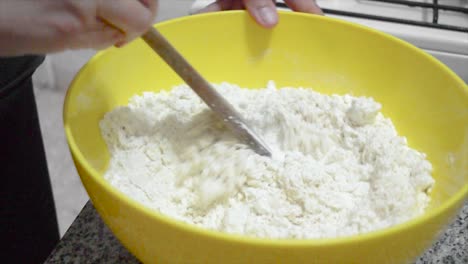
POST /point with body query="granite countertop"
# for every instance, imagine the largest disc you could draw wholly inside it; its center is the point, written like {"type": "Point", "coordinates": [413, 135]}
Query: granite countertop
{"type": "Point", "coordinates": [88, 240]}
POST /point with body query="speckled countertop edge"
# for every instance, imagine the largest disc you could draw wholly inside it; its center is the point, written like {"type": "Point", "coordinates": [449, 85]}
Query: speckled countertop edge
{"type": "Point", "coordinates": [88, 240]}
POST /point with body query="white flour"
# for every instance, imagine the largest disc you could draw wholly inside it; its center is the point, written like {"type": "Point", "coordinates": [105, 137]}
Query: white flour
{"type": "Point", "coordinates": [339, 168]}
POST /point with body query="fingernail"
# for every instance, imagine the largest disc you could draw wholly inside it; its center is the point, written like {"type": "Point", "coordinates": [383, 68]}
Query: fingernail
{"type": "Point", "coordinates": [268, 16]}
{"type": "Point", "coordinates": [318, 10]}
{"type": "Point", "coordinates": [120, 44]}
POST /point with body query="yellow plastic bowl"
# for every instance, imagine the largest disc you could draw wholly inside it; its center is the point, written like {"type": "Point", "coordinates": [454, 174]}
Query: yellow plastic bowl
{"type": "Point", "coordinates": [427, 102]}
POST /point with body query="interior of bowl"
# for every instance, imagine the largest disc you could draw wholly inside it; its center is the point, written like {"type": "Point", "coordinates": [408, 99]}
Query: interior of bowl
{"type": "Point", "coordinates": [427, 102]}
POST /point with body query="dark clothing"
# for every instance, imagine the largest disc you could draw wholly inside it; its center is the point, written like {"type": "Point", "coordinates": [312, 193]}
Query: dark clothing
{"type": "Point", "coordinates": [28, 222]}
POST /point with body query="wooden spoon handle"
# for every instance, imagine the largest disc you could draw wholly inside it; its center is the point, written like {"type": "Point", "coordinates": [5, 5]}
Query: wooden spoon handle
{"type": "Point", "coordinates": [204, 90]}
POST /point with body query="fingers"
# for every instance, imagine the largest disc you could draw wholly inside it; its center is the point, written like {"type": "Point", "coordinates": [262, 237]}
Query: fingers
{"type": "Point", "coordinates": [305, 6]}
{"type": "Point", "coordinates": [219, 5]}
{"type": "Point", "coordinates": [152, 5]}
{"type": "Point", "coordinates": [98, 38]}
{"type": "Point", "coordinates": [238, 5]}
{"type": "Point", "coordinates": [129, 16]}
{"type": "Point", "coordinates": [263, 11]}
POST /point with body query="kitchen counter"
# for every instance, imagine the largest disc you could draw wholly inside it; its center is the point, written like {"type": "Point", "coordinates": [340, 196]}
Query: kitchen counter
{"type": "Point", "coordinates": [88, 240]}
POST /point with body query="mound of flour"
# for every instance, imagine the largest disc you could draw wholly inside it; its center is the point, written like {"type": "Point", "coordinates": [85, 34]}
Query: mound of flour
{"type": "Point", "coordinates": [339, 168]}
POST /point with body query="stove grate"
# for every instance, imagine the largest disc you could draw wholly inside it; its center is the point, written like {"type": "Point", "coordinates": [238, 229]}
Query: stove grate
{"type": "Point", "coordinates": [435, 6]}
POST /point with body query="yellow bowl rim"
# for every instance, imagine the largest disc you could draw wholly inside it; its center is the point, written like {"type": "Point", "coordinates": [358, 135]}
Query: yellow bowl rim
{"type": "Point", "coordinates": [265, 242]}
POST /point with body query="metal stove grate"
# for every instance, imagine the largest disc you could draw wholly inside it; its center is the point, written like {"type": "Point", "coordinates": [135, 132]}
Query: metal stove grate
{"type": "Point", "coordinates": [435, 6]}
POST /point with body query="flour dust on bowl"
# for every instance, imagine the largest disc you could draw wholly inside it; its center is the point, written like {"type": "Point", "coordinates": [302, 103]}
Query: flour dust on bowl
{"type": "Point", "coordinates": [429, 107]}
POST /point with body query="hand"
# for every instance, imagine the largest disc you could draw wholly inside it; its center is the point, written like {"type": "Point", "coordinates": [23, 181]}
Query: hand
{"type": "Point", "coordinates": [42, 26]}
{"type": "Point", "coordinates": [263, 11]}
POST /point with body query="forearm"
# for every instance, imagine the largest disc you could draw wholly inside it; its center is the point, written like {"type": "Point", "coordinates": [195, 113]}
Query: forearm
{"type": "Point", "coordinates": [42, 26]}
{"type": "Point", "coordinates": [30, 27]}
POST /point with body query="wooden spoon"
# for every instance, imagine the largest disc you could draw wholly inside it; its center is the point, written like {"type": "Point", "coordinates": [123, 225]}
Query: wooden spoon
{"type": "Point", "coordinates": [225, 111]}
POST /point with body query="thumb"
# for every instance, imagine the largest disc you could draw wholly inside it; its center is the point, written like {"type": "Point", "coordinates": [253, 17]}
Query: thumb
{"type": "Point", "coordinates": [263, 11]}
